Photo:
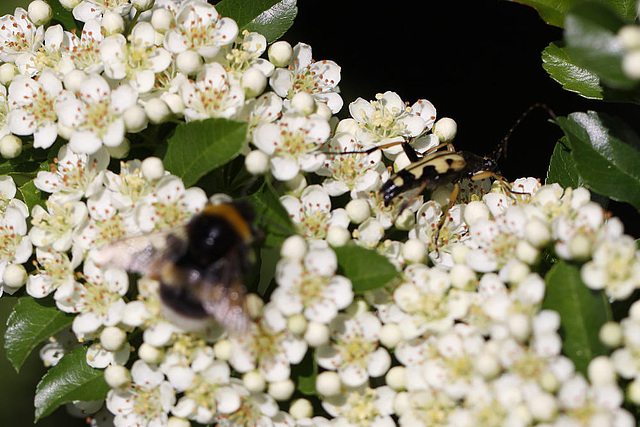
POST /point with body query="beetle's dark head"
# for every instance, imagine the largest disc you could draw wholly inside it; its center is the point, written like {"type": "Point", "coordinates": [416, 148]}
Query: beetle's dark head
{"type": "Point", "coordinates": [477, 163]}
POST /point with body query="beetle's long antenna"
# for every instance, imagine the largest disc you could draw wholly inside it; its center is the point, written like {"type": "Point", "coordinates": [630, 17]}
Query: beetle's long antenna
{"type": "Point", "coordinates": [502, 148]}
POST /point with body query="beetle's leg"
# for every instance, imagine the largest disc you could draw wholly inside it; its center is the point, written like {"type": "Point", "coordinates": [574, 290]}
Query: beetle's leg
{"type": "Point", "coordinates": [488, 174]}
{"type": "Point", "coordinates": [452, 199]}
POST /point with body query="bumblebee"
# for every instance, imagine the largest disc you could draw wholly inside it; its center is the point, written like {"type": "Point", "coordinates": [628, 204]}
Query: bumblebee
{"type": "Point", "coordinates": [200, 266]}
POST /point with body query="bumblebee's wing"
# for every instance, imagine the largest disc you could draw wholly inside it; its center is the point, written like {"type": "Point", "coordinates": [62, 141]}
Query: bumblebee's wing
{"type": "Point", "coordinates": [141, 254]}
{"type": "Point", "coordinates": [223, 294]}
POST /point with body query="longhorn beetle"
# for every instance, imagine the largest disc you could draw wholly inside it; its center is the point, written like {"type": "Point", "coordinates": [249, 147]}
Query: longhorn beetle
{"type": "Point", "coordinates": [437, 167]}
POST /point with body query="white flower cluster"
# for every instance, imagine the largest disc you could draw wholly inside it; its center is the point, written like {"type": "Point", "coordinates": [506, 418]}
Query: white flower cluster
{"type": "Point", "coordinates": [459, 339]}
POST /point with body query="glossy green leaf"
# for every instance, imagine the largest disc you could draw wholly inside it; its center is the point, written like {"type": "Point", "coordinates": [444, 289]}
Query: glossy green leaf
{"type": "Point", "coordinates": [272, 218]}
{"type": "Point", "coordinates": [367, 269]}
{"type": "Point", "coordinates": [271, 18]}
{"type": "Point", "coordinates": [554, 11]}
{"type": "Point", "coordinates": [198, 147]}
{"type": "Point", "coordinates": [557, 62]}
{"type": "Point", "coordinates": [63, 16]}
{"type": "Point", "coordinates": [606, 152]}
{"type": "Point", "coordinates": [71, 379]}
{"type": "Point", "coordinates": [562, 168]}
{"type": "Point", "coordinates": [31, 195]}
{"type": "Point", "coordinates": [582, 312]}
{"type": "Point", "coordinates": [591, 41]}
{"type": "Point", "coordinates": [31, 322]}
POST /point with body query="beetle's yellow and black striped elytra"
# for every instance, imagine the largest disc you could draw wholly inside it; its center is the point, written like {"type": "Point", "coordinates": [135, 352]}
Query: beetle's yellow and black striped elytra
{"type": "Point", "coordinates": [200, 266]}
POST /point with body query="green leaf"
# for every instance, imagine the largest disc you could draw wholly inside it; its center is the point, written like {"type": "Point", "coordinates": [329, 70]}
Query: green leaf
{"type": "Point", "coordinates": [606, 152]}
{"type": "Point", "coordinates": [271, 217]}
{"type": "Point", "coordinates": [31, 322]}
{"type": "Point", "coordinates": [196, 148]}
{"type": "Point", "coordinates": [31, 195]}
{"type": "Point", "coordinates": [304, 375]}
{"type": "Point", "coordinates": [554, 11]}
{"type": "Point", "coordinates": [271, 18]}
{"type": "Point", "coordinates": [63, 16]}
{"type": "Point", "coordinates": [367, 269]}
{"type": "Point", "coordinates": [71, 379]}
{"type": "Point", "coordinates": [557, 62]}
{"type": "Point", "coordinates": [562, 168]}
{"type": "Point", "coordinates": [591, 35]}
{"type": "Point", "coordinates": [582, 312]}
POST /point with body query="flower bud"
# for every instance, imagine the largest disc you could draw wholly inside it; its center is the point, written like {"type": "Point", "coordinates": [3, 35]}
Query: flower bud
{"type": "Point", "coordinates": [257, 162]}
{"type": "Point", "coordinates": [112, 338]}
{"type": "Point", "coordinates": [338, 236]}
{"type": "Point", "coordinates": [121, 150]}
{"type": "Point", "coordinates": [7, 73]}
{"type": "Point", "coordinates": [328, 383]}
{"type": "Point", "coordinates": [304, 102]}
{"type": "Point", "coordinates": [117, 376]}
{"type": "Point", "coordinates": [150, 354]}
{"type": "Point", "coordinates": [254, 305]}
{"type": "Point", "coordinates": [462, 277]}
{"type": "Point", "coordinates": [543, 406]}
{"type": "Point", "coordinates": [39, 12]}
{"type": "Point", "coordinates": [281, 390]}
{"type": "Point", "coordinates": [157, 110]}
{"type": "Point", "coordinates": [174, 102]}
{"type": "Point", "coordinates": [629, 35]}
{"type": "Point", "coordinates": [358, 210]}
{"type": "Point", "coordinates": [580, 247]}
{"type": "Point", "coordinates": [631, 64]}
{"type": "Point", "coordinates": [301, 408]}
{"type": "Point", "coordinates": [254, 381]}
{"type": "Point", "coordinates": [280, 53]}
{"type": "Point", "coordinates": [73, 80]}
{"type": "Point", "coordinates": [487, 365]}
{"type": "Point", "coordinates": [10, 146]}
{"type": "Point", "coordinates": [135, 119]}
{"type": "Point", "coordinates": [633, 391]}
{"type": "Point", "coordinates": [317, 334]}
{"type": "Point", "coordinates": [475, 211]}
{"type": "Point", "coordinates": [395, 378]}
{"type": "Point", "coordinates": [161, 20]}
{"type": "Point", "coordinates": [294, 247]}
{"type": "Point", "coordinates": [537, 233]}
{"type": "Point", "coordinates": [297, 324]}
{"type": "Point", "coordinates": [113, 23]}
{"type": "Point", "coordinates": [69, 4]}
{"type": "Point", "coordinates": [152, 168]}
{"type": "Point", "coordinates": [611, 334]}
{"type": "Point", "coordinates": [414, 251]}
{"type": "Point", "coordinates": [178, 422]}
{"type": "Point", "coordinates": [189, 62]}
{"type": "Point", "coordinates": [601, 370]}
{"type": "Point", "coordinates": [253, 82]}
{"type": "Point", "coordinates": [526, 253]}
{"type": "Point", "coordinates": [323, 110]}
{"type": "Point", "coordinates": [406, 220]}
{"type": "Point", "coordinates": [14, 276]}
{"type": "Point", "coordinates": [390, 335]}
{"type": "Point", "coordinates": [142, 5]}
{"type": "Point", "coordinates": [222, 349]}
{"type": "Point", "coordinates": [401, 403]}
{"type": "Point", "coordinates": [445, 129]}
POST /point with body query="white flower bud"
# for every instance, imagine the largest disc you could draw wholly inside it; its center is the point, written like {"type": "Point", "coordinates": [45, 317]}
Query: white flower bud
{"type": "Point", "coordinates": [459, 253]}
{"type": "Point", "coordinates": [445, 129]}
{"type": "Point", "coordinates": [157, 110]}
{"type": "Point", "coordinates": [112, 338]}
{"type": "Point", "coordinates": [222, 349]}
{"type": "Point", "coordinates": [390, 335]}
{"type": "Point", "coordinates": [358, 210]}
{"type": "Point", "coordinates": [476, 211]}
{"type": "Point", "coordinates": [401, 403]}
{"type": "Point", "coordinates": [117, 376]}
{"type": "Point", "coordinates": [189, 62]}
{"type": "Point", "coordinates": [526, 253]}
{"type": "Point", "coordinates": [161, 20]}
{"type": "Point", "coordinates": [69, 4]}
{"type": "Point", "coordinates": [629, 35]}
{"type": "Point", "coordinates": [254, 305]}
{"type": "Point", "coordinates": [296, 184]}
{"type": "Point", "coordinates": [120, 151]}
{"type": "Point", "coordinates": [549, 382]}
{"type": "Point", "coordinates": [543, 406]}
{"type": "Point", "coordinates": [152, 168]}
{"type": "Point", "coordinates": [580, 247]}
{"type": "Point", "coordinates": [406, 220]}
{"type": "Point", "coordinates": [414, 251]}
{"type": "Point", "coordinates": [253, 82]}
{"type": "Point", "coordinates": [113, 23]}
{"type": "Point", "coordinates": [519, 325]}
{"type": "Point", "coordinates": [281, 390]}
{"type": "Point", "coordinates": [611, 334]}
{"type": "Point", "coordinates": [257, 162]}
{"type": "Point", "coordinates": [317, 334]}
{"type": "Point", "coordinates": [73, 80]}
{"type": "Point", "coordinates": [297, 324]}
{"type": "Point", "coordinates": [135, 119]}
{"type": "Point", "coordinates": [14, 276]}
{"type": "Point", "coordinates": [462, 277]}
{"type": "Point", "coordinates": [304, 102]}
{"type": "Point", "coordinates": [7, 73]}
{"type": "Point", "coordinates": [634, 311]}
{"type": "Point", "coordinates": [301, 408]}
{"type": "Point", "coordinates": [537, 233]}
{"type": "Point", "coordinates": [487, 365]}
{"type": "Point", "coordinates": [39, 12]}
{"type": "Point", "coordinates": [142, 5]}
{"type": "Point", "coordinates": [328, 383]}
{"type": "Point", "coordinates": [601, 370]}
{"type": "Point", "coordinates": [150, 354]}
{"type": "Point", "coordinates": [178, 422]}
{"type": "Point", "coordinates": [631, 64]}
{"type": "Point", "coordinates": [323, 110]}
{"type": "Point", "coordinates": [294, 247]}
{"type": "Point", "coordinates": [280, 53]}
{"type": "Point", "coordinates": [338, 236]}
{"type": "Point", "coordinates": [395, 378]}
{"type": "Point", "coordinates": [10, 146]}
{"type": "Point", "coordinates": [517, 272]}
{"type": "Point", "coordinates": [633, 391]}
{"type": "Point", "coordinates": [254, 381]}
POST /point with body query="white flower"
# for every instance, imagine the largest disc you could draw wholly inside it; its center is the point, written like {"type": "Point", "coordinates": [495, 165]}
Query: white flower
{"type": "Point", "coordinates": [362, 407]}
{"type": "Point", "coordinates": [4, 112]}
{"type": "Point", "coordinates": [239, 407]}
{"type": "Point", "coordinates": [15, 246]}
{"type": "Point", "coordinates": [33, 107]}
{"type": "Point", "coordinates": [138, 60]}
{"type": "Point", "coordinates": [311, 286]}
{"type": "Point", "coordinates": [245, 53]}
{"type": "Point", "coordinates": [146, 402]}
{"type": "Point", "coordinates": [213, 94]}
{"type": "Point", "coordinates": [319, 78]}
{"type": "Point", "coordinates": [87, 10]}
{"type": "Point", "coordinates": [74, 176]}
{"type": "Point", "coordinates": [354, 351]}
{"type": "Point", "coordinates": [19, 36]}
{"type": "Point", "coordinates": [311, 213]}
{"type": "Point", "coordinates": [84, 51]}
{"type": "Point", "coordinates": [293, 143]}
{"type": "Point", "coordinates": [200, 28]}
{"type": "Point", "coordinates": [94, 116]}
{"type": "Point", "coordinates": [55, 227]}
{"type": "Point", "coordinates": [55, 270]}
